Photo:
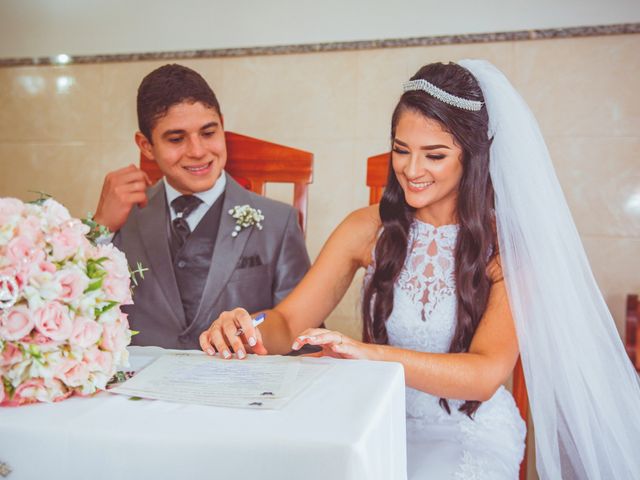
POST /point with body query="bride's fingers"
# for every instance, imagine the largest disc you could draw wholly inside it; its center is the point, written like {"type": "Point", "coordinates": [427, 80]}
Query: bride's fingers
{"type": "Point", "coordinates": [322, 337]}
{"type": "Point", "coordinates": [304, 337]}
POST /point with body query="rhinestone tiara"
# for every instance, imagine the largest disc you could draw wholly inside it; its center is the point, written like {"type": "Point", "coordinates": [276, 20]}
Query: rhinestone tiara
{"type": "Point", "coordinates": [438, 93]}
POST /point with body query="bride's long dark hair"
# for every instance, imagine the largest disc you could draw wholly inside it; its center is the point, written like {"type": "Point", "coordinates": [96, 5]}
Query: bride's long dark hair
{"type": "Point", "coordinates": [476, 242]}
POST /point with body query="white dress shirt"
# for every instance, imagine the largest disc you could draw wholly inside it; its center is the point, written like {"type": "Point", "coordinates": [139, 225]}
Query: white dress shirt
{"type": "Point", "coordinates": [208, 198]}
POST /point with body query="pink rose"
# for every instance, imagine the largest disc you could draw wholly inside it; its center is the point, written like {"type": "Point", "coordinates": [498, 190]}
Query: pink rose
{"type": "Point", "coordinates": [72, 372]}
{"type": "Point", "coordinates": [116, 264]}
{"type": "Point", "coordinates": [8, 208]}
{"type": "Point", "coordinates": [57, 390]}
{"type": "Point", "coordinates": [46, 267]}
{"type": "Point", "coordinates": [38, 390]}
{"type": "Point", "coordinates": [54, 321]}
{"type": "Point", "coordinates": [10, 355]}
{"type": "Point", "coordinates": [115, 336]}
{"type": "Point", "coordinates": [117, 289]}
{"type": "Point", "coordinates": [98, 361]}
{"type": "Point", "coordinates": [85, 332]}
{"type": "Point", "coordinates": [55, 213]}
{"type": "Point", "coordinates": [30, 391]}
{"type": "Point", "coordinates": [16, 323]}
{"type": "Point", "coordinates": [73, 283]}
{"type": "Point", "coordinates": [20, 250]}
{"type": "Point", "coordinates": [65, 243]}
{"type": "Point", "coordinates": [31, 228]}
{"type": "Point", "coordinates": [44, 342]}
{"type": "Point", "coordinates": [24, 258]}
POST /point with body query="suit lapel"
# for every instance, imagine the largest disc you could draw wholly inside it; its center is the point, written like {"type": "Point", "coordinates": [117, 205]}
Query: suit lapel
{"type": "Point", "coordinates": [226, 253]}
{"type": "Point", "coordinates": [152, 222]}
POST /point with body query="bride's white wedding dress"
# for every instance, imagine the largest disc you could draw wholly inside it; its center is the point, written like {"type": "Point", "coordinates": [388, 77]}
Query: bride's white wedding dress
{"type": "Point", "coordinates": [439, 445]}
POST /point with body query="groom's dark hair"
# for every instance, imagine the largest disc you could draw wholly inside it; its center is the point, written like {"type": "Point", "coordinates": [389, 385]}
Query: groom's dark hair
{"type": "Point", "coordinates": [167, 86]}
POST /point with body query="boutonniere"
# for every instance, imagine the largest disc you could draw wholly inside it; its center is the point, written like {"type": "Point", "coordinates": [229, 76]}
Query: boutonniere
{"type": "Point", "coordinates": [246, 216]}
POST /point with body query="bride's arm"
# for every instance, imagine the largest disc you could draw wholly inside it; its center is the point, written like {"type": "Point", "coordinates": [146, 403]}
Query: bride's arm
{"type": "Point", "coordinates": [347, 249]}
{"type": "Point", "coordinates": [474, 375]}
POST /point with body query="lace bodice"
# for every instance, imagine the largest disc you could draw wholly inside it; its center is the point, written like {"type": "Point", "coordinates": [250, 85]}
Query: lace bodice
{"type": "Point", "coordinates": [424, 319]}
{"type": "Point", "coordinates": [424, 308]}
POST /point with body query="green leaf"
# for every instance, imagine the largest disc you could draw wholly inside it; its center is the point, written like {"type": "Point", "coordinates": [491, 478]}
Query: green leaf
{"type": "Point", "coordinates": [95, 229]}
{"type": "Point", "coordinates": [42, 197]}
{"type": "Point", "coordinates": [110, 304]}
{"type": "Point", "coordinates": [139, 271]}
{"type": "Point", "coordinates": [93, 286]}
{"type": "Point", "coordinates": [8, 387]}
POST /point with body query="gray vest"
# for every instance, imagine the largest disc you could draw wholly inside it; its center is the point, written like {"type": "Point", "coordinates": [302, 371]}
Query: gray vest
{"type": "Point", "coordinates": [191, 263]}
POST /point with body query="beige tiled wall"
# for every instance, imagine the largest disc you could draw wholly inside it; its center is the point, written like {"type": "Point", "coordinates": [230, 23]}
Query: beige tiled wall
{"type": "Point", "coordinates": [63, 128]}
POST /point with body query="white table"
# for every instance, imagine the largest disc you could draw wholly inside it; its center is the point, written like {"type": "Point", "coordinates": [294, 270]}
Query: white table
{"type": "Point", "coordinates": [350, 424]}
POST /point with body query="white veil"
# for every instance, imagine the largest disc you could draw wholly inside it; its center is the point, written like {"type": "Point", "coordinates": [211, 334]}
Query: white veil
{"type": "Point", "coordinates": [584, 392]}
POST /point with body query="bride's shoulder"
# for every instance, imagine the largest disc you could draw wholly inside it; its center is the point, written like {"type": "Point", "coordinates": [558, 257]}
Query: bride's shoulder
{"type": "Point", "coordinates": [366, 219]}
{"type": "Point", "coordinates": [359, 230]}
{"type": "Point", "coordinates": [363, 224]}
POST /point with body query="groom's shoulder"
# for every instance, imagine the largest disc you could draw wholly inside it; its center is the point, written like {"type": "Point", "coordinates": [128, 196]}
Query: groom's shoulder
{"type": "Point", "coordinates": [275, 212]}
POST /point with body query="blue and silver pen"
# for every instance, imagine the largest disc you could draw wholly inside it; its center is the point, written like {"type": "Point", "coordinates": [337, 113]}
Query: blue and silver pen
{"type": "Point", "coordinates": [256, 321]}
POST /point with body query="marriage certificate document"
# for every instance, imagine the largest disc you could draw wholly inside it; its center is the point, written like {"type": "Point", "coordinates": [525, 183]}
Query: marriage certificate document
{"type": "Point", "coordinates": [256, 382]}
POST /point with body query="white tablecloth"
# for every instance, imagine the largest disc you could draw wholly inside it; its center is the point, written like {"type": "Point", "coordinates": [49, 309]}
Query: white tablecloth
{"type": "Point", "coordinates": [350, 424]}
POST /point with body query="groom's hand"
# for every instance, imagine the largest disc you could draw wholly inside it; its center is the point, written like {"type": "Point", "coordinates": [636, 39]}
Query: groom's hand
{"type": "Point", "coordinates": [233, 332]}
{"type": "Point", "coordinates": [121, 190]}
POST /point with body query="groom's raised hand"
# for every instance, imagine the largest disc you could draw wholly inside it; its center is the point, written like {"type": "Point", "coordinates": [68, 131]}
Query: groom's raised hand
{"type": "Point", "coordinates": [121, 190]}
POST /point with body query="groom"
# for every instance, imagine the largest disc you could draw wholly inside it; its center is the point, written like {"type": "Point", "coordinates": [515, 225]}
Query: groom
{"type": "Point", "coordinates": [181, 228]}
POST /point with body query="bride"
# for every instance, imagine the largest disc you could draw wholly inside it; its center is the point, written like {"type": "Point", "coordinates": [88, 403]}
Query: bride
{"type": "Point", "coordinates": [471, 258]}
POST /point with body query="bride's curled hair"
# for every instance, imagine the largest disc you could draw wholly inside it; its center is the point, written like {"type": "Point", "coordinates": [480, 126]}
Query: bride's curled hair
{"type": "Point", "coordinates": [476, 243]}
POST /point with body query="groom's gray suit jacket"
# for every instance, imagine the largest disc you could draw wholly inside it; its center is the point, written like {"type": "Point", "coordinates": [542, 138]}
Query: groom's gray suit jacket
{"type": "Point", "coordinates": [254, 270]}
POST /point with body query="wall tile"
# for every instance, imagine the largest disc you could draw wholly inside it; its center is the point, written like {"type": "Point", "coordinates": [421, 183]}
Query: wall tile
{"type": "Point", "coordinates": [600, 177]}
{"type": "Point", "coordinates": [582, 86]}
{"type": "Point", "coordinates": [59, 170]}
{"type": "Point", "coordinates": [614, 263]}
{"type": "Point", "coordinates": [51, 104]}
{"type": "Point", "coordinates": [310, 96]}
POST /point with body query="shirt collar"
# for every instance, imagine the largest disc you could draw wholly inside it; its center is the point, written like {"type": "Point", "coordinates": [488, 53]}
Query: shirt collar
{"type": "Point", "coordinates": [208, 197]}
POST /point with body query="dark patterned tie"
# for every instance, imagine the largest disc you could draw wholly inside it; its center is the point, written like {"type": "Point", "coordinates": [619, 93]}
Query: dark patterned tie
{"type": "Point", "coordinates": [183, 206]}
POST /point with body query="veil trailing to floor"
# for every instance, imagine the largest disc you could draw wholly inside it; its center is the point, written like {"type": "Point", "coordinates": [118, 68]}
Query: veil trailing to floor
{"type": "Point", "coordinates": [584, 392]}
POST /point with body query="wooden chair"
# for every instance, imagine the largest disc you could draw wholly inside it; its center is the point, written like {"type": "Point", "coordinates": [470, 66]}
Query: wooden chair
{"type": "Point", "coordinates": [377, 172]}
{"type": "Point", "coordinates": [632, 327]}
{"type": "Point", "coordinates": [253, 163]}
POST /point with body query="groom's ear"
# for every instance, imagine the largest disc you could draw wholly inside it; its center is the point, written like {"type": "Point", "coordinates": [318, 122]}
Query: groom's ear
{"type": "Point", "coordinates": [144, 145]}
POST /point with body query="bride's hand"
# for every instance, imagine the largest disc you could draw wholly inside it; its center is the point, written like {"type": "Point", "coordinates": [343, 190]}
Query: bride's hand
{"type": "Point", "coordinates": [333, 344]}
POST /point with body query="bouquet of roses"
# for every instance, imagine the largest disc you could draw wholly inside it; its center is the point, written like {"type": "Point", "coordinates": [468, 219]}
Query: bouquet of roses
{"type": "Point", "coordinates": [61, 328]}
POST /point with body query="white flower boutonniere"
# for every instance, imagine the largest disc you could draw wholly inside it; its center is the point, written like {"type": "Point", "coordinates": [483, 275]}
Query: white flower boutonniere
{"type": "Point", "coordinates": [246, 216]}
